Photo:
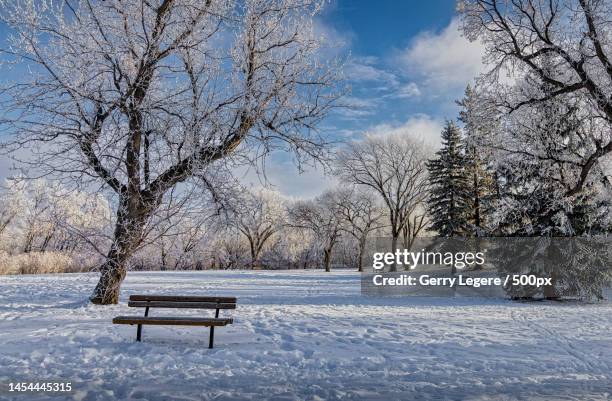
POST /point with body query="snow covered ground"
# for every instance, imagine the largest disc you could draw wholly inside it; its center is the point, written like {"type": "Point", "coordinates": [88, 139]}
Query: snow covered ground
{"type": "Point", "coordinates": [302, 336]}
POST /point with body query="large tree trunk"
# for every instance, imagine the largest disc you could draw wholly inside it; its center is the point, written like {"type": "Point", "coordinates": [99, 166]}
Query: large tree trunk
{"type": "Point", "coordinates": [112, 273]}
{"type": "Point", "coordinates": [131, 219]}
{"type": "Point", "coordinates": [255, 251]}
{"type": "Point", "coordinates": [327, 258]}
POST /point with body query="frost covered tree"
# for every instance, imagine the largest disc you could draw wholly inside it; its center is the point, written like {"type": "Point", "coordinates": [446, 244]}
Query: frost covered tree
{"type": "Point", "coordinates": [231, 249]}
{"type": "Point", "coordinates": [555, 113]}
{"type": "Point", "coordinates": [449, 198]}
{"type": "Point", "coordinates": [177, 235]}
{"type": "Point", "coordinates": [361, 215]}
{"type": "Point", "coordinates": [294, 248]}
{"type": "Point", "coordinates": [42, 216]}
{"type": "Point", "coordinates": [37, 216]}
{"type": "Point", "coordinates": [142, 96]}
{"type": "Point", "coordinates": [393, 167]}
{"type": "Point", "coordinates": [322, 216]}
{"type": "Point", "coordinates": [78, 220]}
{"type": "Point", "coordinates": [260, 215]}
{"type": "Point", "coordinates": [11, 203]}
{"type": "Point", "coordinates": [563, 44]}
{"type": "Point", "coordinates": [538, 164]}
{"type": "Point", "coordinates": [478, 124]}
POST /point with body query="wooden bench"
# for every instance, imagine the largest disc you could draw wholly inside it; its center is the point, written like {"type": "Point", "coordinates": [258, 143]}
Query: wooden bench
{"type": "Point", "coordinates": [165, 301]}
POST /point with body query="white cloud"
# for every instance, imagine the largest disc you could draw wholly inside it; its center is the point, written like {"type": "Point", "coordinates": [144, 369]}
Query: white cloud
{"type": "Point", "coordinates": [346, 133]}
{"type": "Point", "coordinates": [420, 126]}
{"type": "Point", "coordinates": [444, 60]}
{"type": "Point", "coordinates": [363, 69]}
{"type": "Point", "coordinates": [283, 176]}
{"type": "Point", "coordinates": [408, 90]}
{"type": "Point", "coordinates": [352, 107]}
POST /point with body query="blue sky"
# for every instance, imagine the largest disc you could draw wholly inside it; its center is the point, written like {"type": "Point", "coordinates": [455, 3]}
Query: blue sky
{"type": "Point", "coordinates": [407, 64]}
{"type": "Point", "coordinates": [381, 26]}
{"type": "Point", "coordinates": [407, 59]}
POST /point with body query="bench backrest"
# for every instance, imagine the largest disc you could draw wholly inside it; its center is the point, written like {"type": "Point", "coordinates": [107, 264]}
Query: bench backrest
{"type": "Point", "coordinates": [171, 301]}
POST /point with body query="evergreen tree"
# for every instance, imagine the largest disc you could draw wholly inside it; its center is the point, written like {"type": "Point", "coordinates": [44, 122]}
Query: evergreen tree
{"type": "Point", "coordinates": [449, 200]}
{"type": "Point", "coordinates": [481, 174]}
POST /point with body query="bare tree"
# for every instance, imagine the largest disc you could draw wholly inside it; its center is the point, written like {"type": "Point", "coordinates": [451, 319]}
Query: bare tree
{"type": "Point", "coordinates": [12, 200]}
{"type": "Point", "coordinates": [416, 223]}
{"type": "Point", "coordinates": [562, 46]}
{"type": "Point", "coordinates": [361, 215]}
{"type": "Point", "coordinates": [177, 232]}
{"type": "Point", "coordinates": [232, 249]}
{"type": "Point", "coordinates": [36, 215]}
{"type": "Point", "coordinates": [393, 167]}
{"type": "Point", "coordinates": [260, 216]}
{"type": "Point", "coordinates": [145, 95]}
{"type": "Point", "coordinates": [293, 248]}
{"type": "Point", "coordinates": [39, 214]}
{"type": "Point", "coordinates": [322, 216]}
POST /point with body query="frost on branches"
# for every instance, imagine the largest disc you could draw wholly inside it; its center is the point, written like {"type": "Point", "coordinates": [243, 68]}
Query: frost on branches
{"type": "Point", "coordinates": [142, 96]}
{"type": "Point", "coordinates": [549, 92]}
{"type": "Point", "coordinates": [394, 168]}
{"type": "Point", "coordinates": [260, 216]}
{"type": "Point", "coordinates": [550, 84]}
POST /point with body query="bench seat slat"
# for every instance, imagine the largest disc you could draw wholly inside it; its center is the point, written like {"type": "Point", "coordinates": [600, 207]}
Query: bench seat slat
{"type": "Point", "coordinates": [177, 298]}
{"type": "Point", "coordinates": [170, 320]}
{"type": "Point", "coordinates": [190, 305]}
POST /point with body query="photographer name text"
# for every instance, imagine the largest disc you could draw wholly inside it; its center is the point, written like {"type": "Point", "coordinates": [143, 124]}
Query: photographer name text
{"type": "Point", "coordinates": [460, 280]}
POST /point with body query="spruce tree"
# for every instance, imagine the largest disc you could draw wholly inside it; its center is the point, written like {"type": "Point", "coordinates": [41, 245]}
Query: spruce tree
{"type": "Point", "coordinates": [477, 125]}
{"type": "Point", "coordinates": [449, 195]}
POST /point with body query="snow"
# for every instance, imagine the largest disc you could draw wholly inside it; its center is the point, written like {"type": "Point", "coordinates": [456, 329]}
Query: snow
{"type": "Point", "coordinates": [301, 335]}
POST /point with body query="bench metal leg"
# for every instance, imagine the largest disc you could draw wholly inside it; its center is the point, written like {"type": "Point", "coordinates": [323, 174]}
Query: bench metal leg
{"type": "Point", "coordinates": [139, 329]}
{"type": "Point", "coordinates": [212, 336]}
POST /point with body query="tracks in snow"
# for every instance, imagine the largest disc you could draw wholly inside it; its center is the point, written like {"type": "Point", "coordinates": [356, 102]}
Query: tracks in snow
{"type": "Point", "coordinates": [583, 357]}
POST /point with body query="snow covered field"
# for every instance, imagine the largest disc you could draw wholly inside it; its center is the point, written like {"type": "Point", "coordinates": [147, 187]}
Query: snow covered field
{"type": "Point", "coordinates": [302, 336]}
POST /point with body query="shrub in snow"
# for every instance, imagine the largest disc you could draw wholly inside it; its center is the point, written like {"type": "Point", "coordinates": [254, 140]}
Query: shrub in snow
{"type": "Point", "coordinates": [42, 263]}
